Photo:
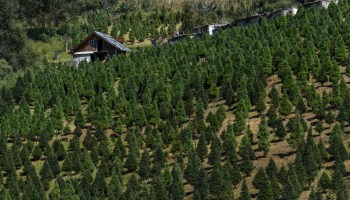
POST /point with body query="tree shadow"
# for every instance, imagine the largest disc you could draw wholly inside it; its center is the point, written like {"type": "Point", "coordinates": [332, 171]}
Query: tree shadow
{"type": "Point", "coordinates": [283, 155]}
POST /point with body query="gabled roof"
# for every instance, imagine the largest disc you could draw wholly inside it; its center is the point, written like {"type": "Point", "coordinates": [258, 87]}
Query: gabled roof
{"type": "Point", "coordinates": [112, 41]}
{"type": "Point", "coordinates": [106, 38]}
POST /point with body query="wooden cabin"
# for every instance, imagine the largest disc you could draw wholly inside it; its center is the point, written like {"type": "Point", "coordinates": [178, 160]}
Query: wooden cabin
{"type": "Point", "coordinates": [97, 46]}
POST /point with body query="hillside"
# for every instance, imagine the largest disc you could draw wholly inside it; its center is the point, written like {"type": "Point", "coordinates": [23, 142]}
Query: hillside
{"type": "Point", "coordinates": [255, 112]}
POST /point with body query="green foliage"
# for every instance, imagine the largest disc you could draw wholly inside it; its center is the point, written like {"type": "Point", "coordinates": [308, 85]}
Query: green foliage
{"type": "Point", "coordinates": [325, 181]}
{"type": "Point", "coordinates": [167, 104]}
{"type": "Point", "coordinates": [264, 137]}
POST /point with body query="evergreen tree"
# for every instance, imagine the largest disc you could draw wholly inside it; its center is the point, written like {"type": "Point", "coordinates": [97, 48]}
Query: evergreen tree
{"type": "Point", "coordinates": [144, 165]}
{"type": "Point", "coordinates": [260, 179]}
{"type": "Point", "coordinates": [325, 181]}
{"type": "Point", "coordinates": [202, 149]}
{"type": "Point", "coordinates": [235, 174]}
{"type": "Point", "coordinates": [286, 106]}
{"type": "Point", "coordinates": [323, 152]}
{"type": "Point", "coordinates": [245, 194]}
{"type": "Point", "coordinates": [36, 153]}
{"type": "Point", "coordinates": [131, 162]}
{"type": "Point", "coordinates": [246, 165]}
{"type": "Point", "coordinates": [192, 169]}
{"type": "Point", "coordinates": [80, 120]}
{"type": "Point", "coordinates": [46, 172]}
{"type": "Point", "coordinates": [177, 189]}
{"type": "Point", "coordinates": [275, 187]}
{"type": "Point", "coordinates": [275, 98]}
{"type": "Point", "coordinates": [201, 184]}
{"type": "Point", "coordinates": [315, 195]}
{"type": "Point", "coordinates": [271, 169]}
{"type": "Point", "coordinates": [158, 188]}
{"type": "Point", "coordinates": [216, 181]}
{"type": "Point", "coordinates": [265, 192]}
{"type": "Point", "coordinates": [289, 192]}
{"type": "Point", "coordinates": [264, 137]}
{"type": "Point", "coordinates": [260, 104]}
{"type": "Point", "coordinates": [99, 186]}
{"type": "Point", "coordinates": [215, 152]}
{"type": "Point", "coordinates": [89, 141]}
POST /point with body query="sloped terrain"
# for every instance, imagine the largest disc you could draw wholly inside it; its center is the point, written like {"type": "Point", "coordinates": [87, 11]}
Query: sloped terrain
{"type": "Point", "coordinates": [200, 119]}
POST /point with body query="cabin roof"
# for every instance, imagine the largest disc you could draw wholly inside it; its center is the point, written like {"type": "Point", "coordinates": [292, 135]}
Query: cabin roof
{"type": "Point", "coordinates": [106, 38]}
{"type": "Point", "coordinates": [112, 41]}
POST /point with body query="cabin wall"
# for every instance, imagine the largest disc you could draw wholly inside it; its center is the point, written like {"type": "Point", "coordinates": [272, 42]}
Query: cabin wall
{"type": "Point", "coordinates": [108, 47]}
{"type": "Point", "coordinates": [81, 57]}
{"type": "Point", "coordinates": [86, 46]}
{"type": "Point", "coordinates": [105, 46]}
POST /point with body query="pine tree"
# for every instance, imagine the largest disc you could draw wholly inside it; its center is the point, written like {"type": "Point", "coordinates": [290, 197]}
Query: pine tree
{"type": "Point", "coordinates": [265, 192]}
{"type": "Point", "coordinates": [319, 127]}
{"type": "Point", "coordinates": [131, 162]}
{"type": "Point", "coordinates": [289, 192]}
{"type": "Point", "coordinates": [260, 104]}
{"type": "Point", "coordinates": [245, 148]}
{"type": "Point", "coordinates": [246, 165]}
{"type": "Point", "coordinates": [286, 106]}
{"type": "Point", "coordinates": [274, 95]}
{"type": "Point", "coordinates": [228, 94]}
{"type": "Point", "coordinates": [192, 169]}
{"type": "Point", "coordinates": [177, 189]}
{"type": "Point", "coordinates": [336, 146]}
{"type": "Point", "coordinates": [310, 163]}
{"type": "Point", "coordinates": [115, 188]}
{"type": "Point", "coordinates": [180, 113]}
{"type": "Point", "coordinates": [271, 169]}
{"type": "Point", "coordinates": [215, 152]}
{"type": "Point", "coordinates": [282, 175]}
{"type": "Point", "coordinates": [337, 180]}
{"type": "Point", "coordinates": [77, 131]}
{"type": "Point", "coordinates": [235, 174]}
{"type": "Point", "coordinates": [159, 157]}
{"type": "Point", "coordinates": [201, 184]}
{"type": "Point", "coordinates": [264, 137]}
{"type": "Point", "coordinates": [159, 189]}
{"type": "Point", "coordinates": [60, 152]}
{"type": "Point", "coordinates": [196, 195]}
{"type": "Point", "coordinates": [245, 194]}
{"type": "Point", "coordinates": [80, 120]}
{"type": "Point", "coordinates": [144, 165]}
{"type": "Point", "coordinates": [216, 181]}
{"type": "Point", "coordinates": [275, 187]}
{"type": "Point", "coordinates": [260, 179]}
{"type": "Point", "coordinates": [229, 147]}
{"type": "Point", "coordinates": [315, 195]}
{"type": "Point", "coordinates": [36, 153]}
{"type": "Point", "coordinates": [325, 181]}
{"type": "Point", "coordinates": [202, 149]}
{"type": "Point", "coordinates": [89, 141]}
{"type": "Point", "coordinates": [323, 152]}
{"type": "Point", "coordinates": [54, 165]}
{"type": "Point", "coordinates": [272, 117]}
{"type": "Point", "coordinates": [199, 111]}
{"type": "Point", "coordinates": [46, 172]}
{"type": "Point", "coordinates": [99, 186]}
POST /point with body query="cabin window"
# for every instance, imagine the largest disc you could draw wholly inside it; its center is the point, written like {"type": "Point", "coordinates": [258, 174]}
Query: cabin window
{"type": "Point", "coordinates": [92, 42]}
